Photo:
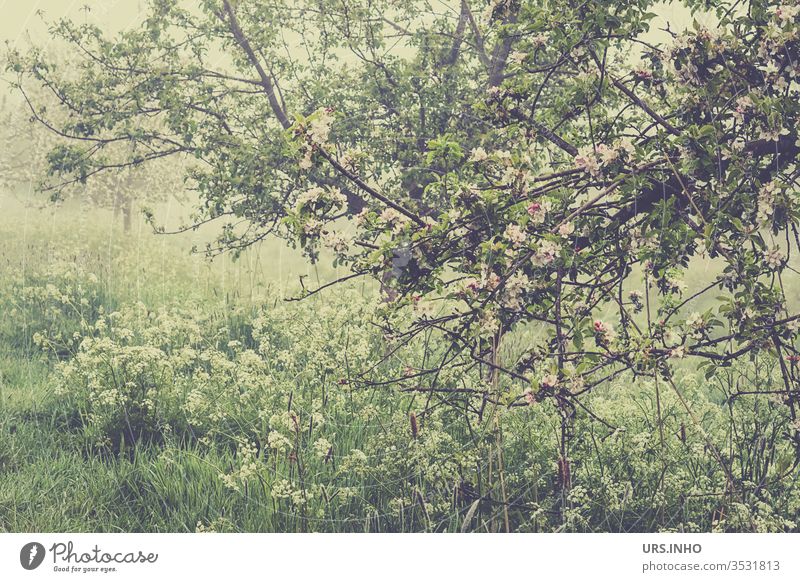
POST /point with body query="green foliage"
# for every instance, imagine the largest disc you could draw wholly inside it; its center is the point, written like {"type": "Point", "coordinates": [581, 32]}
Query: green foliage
{"type": "Point", "coordinates": [561, 212]}
{"type": "Point", "coordinates": [504, 164]}
{"type": "Point", "coordinates": [186, 415]}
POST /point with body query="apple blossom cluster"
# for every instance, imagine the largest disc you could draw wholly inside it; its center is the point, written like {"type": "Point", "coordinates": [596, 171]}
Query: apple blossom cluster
{"type": "Point", "coordinates": [316, 131]}
{"type": "Point", "coordinates": [561, 178]}
{"type": "Point", "coordinates": [592, 159]}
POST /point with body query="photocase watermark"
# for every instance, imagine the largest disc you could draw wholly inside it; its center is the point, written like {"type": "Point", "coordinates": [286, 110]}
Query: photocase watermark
{"type": "Point", "coordinates": [66, 558]}
{"type": "Point", "coordinates": [31, 555]}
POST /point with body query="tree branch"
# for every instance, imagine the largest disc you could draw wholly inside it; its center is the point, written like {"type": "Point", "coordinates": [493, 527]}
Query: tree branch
{"type": "Point", "coordinates": [266, 80]}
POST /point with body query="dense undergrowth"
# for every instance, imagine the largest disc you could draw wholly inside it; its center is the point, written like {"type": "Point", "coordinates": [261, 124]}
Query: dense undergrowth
{"type": "Point", "coordinates": [140, 394]}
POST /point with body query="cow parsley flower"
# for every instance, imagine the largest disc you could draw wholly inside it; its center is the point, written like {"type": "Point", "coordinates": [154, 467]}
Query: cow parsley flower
{"type": "Point", "coordinates": [322, 447]}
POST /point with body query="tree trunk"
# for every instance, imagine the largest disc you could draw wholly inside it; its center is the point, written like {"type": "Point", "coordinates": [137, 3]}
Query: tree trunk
{"type": "Point", "coordinates": [127, 211]}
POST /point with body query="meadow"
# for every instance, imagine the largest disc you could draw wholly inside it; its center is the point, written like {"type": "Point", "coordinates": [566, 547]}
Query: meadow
{"type": "Point", "coordinates": [146, 389]}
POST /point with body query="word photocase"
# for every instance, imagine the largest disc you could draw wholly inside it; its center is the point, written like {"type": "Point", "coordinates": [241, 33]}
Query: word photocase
{"type": "Point", "coordinates": [65, 553]}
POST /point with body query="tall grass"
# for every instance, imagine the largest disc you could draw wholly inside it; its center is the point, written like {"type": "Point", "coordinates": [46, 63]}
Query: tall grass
{"type": "Point", "coordinates": [144, 389]}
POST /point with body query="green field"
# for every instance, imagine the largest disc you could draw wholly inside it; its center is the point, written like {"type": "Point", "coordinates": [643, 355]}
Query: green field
{"type": "Point", "coordinates": [143, 388]}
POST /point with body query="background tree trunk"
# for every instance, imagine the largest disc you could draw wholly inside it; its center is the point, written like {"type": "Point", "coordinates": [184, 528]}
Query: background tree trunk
{"type": "Point", "coordinates": [127, 210]}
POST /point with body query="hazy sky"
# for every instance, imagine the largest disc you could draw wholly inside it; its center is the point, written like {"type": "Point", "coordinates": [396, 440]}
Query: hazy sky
{"type": "Point", "coordinates": [19, 16]}
{"type": "Point", "coordinates": [27, 19]}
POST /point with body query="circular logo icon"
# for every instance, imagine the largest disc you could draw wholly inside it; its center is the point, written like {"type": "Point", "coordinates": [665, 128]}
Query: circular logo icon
{"type": "Point", "coordinates": [31, 555]}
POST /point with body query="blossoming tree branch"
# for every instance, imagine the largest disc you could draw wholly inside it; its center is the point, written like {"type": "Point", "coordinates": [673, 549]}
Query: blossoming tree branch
{"type": "Point", "coordinates": [544, 169]}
